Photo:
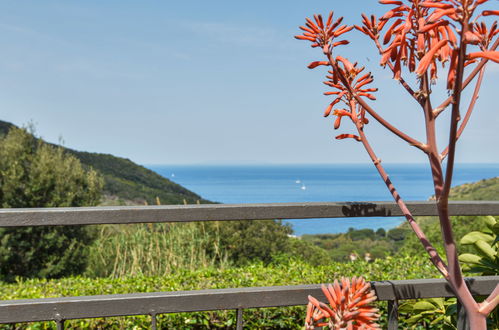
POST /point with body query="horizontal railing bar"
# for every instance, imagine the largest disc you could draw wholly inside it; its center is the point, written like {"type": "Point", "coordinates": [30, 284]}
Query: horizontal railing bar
{"type": "Point", "coordinates": [28, 310]}
{"type": "Point", "coordinates": [210, 212]}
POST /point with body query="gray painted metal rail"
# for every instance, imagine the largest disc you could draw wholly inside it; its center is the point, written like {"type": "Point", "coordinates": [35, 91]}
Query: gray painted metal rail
{"type": "Point", "coordinates": [65, 308]}
{"type": "Point", "coordinates": [222, 212]}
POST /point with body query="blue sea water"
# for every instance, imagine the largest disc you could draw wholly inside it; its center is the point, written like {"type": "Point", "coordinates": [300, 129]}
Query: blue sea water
{"type": "Point", "coordinates": [316, 183]}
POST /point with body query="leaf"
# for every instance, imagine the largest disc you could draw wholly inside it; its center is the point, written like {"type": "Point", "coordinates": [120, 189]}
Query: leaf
{"type": "Point", "coordinates": [495, 229]}
{"type": "Point", "coordinates": [470, 258]}
{"type": "Point", "coordinates": [474, 236]}
{"type": "Point", "coordinates": [424, 306]}
{"type": "Point", "coordinates": [451, 309]}
{"type": "Point", "coordinates": [485, 249]}
{"type": "Point", "coordinates": [490, 221]}
{"type": "Point", "coordinates": [437, 320]}
{"type": "Point", "coordinates": [483, 270]}
{"type": "Point", "coordinates": [439, 302]}
{"type": "Point", "coordinates": [493, 264]}
{"type": "Point", "coordinates": [407, 306]}
{"type": "Point", "coordinates": [414, 319]}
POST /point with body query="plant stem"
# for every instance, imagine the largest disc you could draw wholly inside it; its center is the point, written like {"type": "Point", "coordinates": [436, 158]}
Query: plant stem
{"type": "Point", "coordinates": [477, 321]}
{"type": "Point", "coordinates": [466, 118]}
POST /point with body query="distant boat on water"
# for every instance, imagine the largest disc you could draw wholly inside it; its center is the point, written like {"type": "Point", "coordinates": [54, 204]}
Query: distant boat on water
{"type": "Point", "coordinates": [303, 187]}
{"type": "Point", "coordinates": [298, 181]}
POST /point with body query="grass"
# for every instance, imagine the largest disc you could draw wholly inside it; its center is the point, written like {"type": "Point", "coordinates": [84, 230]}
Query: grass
{"type": "Point", "coordinates": [153, 250]}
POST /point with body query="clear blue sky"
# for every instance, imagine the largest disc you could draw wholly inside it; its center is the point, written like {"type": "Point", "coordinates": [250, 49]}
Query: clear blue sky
{"type": "Point", "coordinates": [163, 82]}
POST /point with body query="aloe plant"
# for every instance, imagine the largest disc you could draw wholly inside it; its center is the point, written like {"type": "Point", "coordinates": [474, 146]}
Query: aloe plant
{"type": "Point", "coordinates": [417, 41]}
{"type": "Point", "coordinates": [486, 262]}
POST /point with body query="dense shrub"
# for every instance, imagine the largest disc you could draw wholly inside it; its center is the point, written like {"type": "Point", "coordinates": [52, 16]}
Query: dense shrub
{"type": "Point", "coordinates": [247, 241]}
{"type": "Point", "coordinates": [35, 174]}
{"type": "Point", "coordinates": [287, 272]}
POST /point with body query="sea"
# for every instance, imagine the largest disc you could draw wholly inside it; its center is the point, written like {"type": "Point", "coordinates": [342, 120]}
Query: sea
{"type": "Point", "coordinates": [316, 183]}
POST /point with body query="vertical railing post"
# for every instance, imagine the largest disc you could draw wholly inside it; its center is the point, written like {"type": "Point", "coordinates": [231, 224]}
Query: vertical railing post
{"type": "Point", "coordinates": [393, 314]}
{"type": "Point", "coordinates": [60, 324]}
{"type": "Point", "coordinates": [462, 318]}
{"type": "Point", "coordinates": [59, 321]}
{"type": "Point", "coordinates": [239, 319]}
{"type": "Point", "coordinates": [154, 321]}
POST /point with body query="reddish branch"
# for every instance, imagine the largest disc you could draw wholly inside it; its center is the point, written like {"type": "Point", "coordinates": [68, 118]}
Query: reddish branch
{"type": "Point", "coordinates": [466, 118]}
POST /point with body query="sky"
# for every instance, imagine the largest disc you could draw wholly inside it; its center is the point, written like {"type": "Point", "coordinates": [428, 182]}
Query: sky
{"type": "Point", "coordinates": [202, 82]}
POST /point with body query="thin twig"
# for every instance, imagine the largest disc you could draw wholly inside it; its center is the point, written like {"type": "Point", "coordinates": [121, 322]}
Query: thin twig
{"type": "Point", "coordinates": [489, 304]}
{"type": "Point", "coordinates": [455, 275]}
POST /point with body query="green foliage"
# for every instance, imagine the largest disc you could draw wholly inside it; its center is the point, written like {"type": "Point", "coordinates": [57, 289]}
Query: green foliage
{"type": "Point", "coordinates": [163, 248]}
{"type": "Point", "coordinates": [153, 249]}
{"type": "Point", "coordinates": [381, 233]}
{"type": "Point", "coordinates": [305, 251]}
{"type": "Point", "coordinates": [126, 182]}
{"type": "Point", "coordinates": [247, 241]}
{"type": "Point", "coordinates": [287, 272]}
{"type": "Point", "coordinates": [34, 174]}
{"type": "Point", "coordinates": [360, 234]}
{"type": "Point", "coordinates": [359, 242]}
{"type": "Point", "coordinates": [483, 190]}
{"type": "Point", "coordinates": [485, 244]}
{"type": "Point", "coordinates": [134, 183]}
{"type": "Point", "coordinates": [397, 234]}
{"type": "Point", "coordinates": [430, 313]}
{"type": "Point", "coordinates": [461, 226]}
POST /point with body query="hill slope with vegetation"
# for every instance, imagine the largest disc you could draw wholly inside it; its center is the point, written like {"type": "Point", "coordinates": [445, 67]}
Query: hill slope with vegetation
{"type": "Point", "coordinates": [483, 190]}
{"type": "Point", "coordinates": [126, 182]}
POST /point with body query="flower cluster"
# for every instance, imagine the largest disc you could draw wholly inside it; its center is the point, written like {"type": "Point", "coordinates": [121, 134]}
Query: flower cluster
{"type": "Point", "coordinates": [356, 84]}
{"type": "Point", "coordinates": [348, 306]}
{"type": "Point", "coordinates": [421, 34]}
{"type": "Point", "coordinates": [323, 34]}
{"type": "Point", "coordinates": [343, 76]}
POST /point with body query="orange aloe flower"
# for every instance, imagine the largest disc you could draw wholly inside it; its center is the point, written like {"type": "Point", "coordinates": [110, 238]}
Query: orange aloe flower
{"type": "Point", "coordinates": [422, 34]}
{"type": "Point", "coordinates": [358, 84]}
{"type": "Point", "coordinates": [348, 306]}
{"type": "Point", "coordinates": [322, 34]}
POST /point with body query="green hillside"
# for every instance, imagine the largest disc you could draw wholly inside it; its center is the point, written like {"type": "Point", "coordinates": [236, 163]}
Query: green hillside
{"type": "Point", "coordinates": [128, 183]}
{"type": "Point", "coordinates": [483, 190]}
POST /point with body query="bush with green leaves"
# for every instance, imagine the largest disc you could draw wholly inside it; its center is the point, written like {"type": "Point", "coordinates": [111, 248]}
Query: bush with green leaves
{"type": "Point", "coordinates": [430, 313]}
{"type": "Point", "coordinates": [247, 241]}
{"type": "Point", "coordinates": [288, 271]}
{"type": "Point", "coordinates": [486, 244]}
{"type": "Point", "coordinates": [36, 174]}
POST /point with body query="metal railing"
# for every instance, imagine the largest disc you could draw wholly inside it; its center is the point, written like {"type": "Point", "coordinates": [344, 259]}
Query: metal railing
{"type": "Point", "coordinates": [67, 308]}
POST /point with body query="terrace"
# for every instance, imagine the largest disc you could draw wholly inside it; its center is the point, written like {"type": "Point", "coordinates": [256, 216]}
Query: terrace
{"type": "Point", "coordinates": [66, 308]}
